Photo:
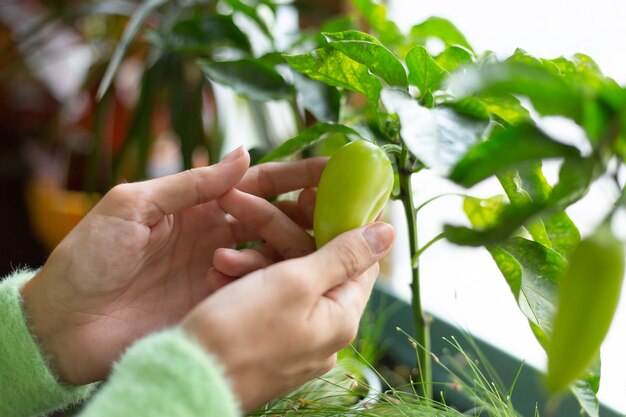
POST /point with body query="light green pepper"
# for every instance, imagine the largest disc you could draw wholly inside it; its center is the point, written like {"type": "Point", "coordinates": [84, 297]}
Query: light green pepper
{"type": "Point", "coordinates": [352, 191]}
{"type": "Point", "coordinates": [588, 295]}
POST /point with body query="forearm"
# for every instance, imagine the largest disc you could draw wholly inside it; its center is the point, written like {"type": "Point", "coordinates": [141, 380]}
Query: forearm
{"type": "Point", "coordinates": [165, 374]}
{"type": "Point", "coordinates": [28, 386]}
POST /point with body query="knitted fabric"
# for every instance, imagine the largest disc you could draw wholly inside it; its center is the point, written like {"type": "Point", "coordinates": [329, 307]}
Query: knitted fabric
{"type": "Point", "coordinates": [27, 385]}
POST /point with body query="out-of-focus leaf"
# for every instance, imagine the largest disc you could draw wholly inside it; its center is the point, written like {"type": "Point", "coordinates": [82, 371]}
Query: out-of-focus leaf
{"type": "Point", "coordinates": [583, 390]}
{"type": "Point", "coordinates": [575, 178]}
{"type": "Point", "coordinates": [134, 26]}
{"type": "Point", "coordinates": [561, 230]}
{"type": "Point", "coordinates": [453, 57]}
{"type": "Point", "coordinates": [322, 100]}
{"type": "Point", "coordinates": [504, 149]}
{"type": "Point", "coordinates": [549, 92]}
{"type": "Point", "coordinates": [510, 219]}
{"type": "Point", "coordinates": [367, 50]}
{"type": "Point", "coordinates": [248, 78]}
{"type": "Point", "coordinates": [507, 108]}
{"type": "Point", "coordinates": [251, 12]}
{"type": "Point", "coordinates": [335, 68]}
{"type": "Point", "coordinates": [437, 27]}
{"type": "Point", "coordinates": [186, 112]}
{"type": "Point", "coordinates": [200, 34]}
{"type": "Point", "coordinates": [438, 137]}
{"type": "Point", "coordinates": [484, 213]}
{"type": "Point", "coordinates": [376, 16]}
{"type": "Point", "coordinates": [306, 139]}
{"type": "Point", "coordinates": [553, 229]}
{"type": "Point", "coordinates": [424, 72]}
{"type": "Point", "coordinates": [471, 106]}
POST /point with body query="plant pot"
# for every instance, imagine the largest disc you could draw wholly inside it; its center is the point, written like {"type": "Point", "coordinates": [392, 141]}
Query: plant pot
{"type": "Point", "coordinates": [54, 212]}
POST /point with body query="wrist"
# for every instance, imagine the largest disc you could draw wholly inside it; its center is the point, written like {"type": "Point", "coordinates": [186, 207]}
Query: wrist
{"type": "Point", "coordinates": [47, 327]}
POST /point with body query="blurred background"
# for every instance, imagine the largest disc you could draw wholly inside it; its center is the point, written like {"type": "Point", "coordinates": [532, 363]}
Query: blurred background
{"type": "Point", "coordinates": [63, 142]}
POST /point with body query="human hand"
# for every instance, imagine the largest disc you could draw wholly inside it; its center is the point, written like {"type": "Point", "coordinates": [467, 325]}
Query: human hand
{"type": "Point", "coordinates": [282, 325]}
{"type": "Point", "coordinates": [138, 262]}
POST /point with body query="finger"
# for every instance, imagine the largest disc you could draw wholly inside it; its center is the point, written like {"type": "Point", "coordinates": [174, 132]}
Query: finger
{"type": "Point", "coordinates": [306, 201]}
{"type": "Point", "coordinates": [301, 212]}
{"type": "Point", "coordinates": [274, 226]}
{"type": "Point", "coordinates": [293, 210]}
{"type": "Point", "coordinates": [275, 178]}
{"type": "Point", "coordinates": [173, 193]}
{"type": "Point", "coordinates": [237, 263]}
{"type": "Point", "coordinates": [217, 279]}
{"type": "Point", "coordinates": [349, 255]}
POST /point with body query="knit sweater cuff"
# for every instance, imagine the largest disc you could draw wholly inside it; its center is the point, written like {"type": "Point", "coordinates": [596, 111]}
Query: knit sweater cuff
{"type": "Point", "coordinates": [28, 386]}
{"type": "Point", "coordinates": [165, 374]}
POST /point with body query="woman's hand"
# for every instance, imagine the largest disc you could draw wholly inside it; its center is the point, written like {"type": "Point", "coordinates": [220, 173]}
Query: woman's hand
{"type": "Point", "coordinates": [280, 326]}
{"type": "Point", "coordinates": [141, 260]}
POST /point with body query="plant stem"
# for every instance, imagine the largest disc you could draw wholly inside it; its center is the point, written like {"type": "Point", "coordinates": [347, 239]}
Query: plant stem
{"type": "Point", "coordinates": [422, 333]}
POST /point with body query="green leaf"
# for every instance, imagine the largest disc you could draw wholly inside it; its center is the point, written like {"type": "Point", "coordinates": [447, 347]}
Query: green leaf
{"type": "Point", "coordinates": [505, 149]}
{"type": "Point", "coordinates": [438, 137]}
{"type": "Point", "coordinates": [306, 139]}
{"type": "Point", "coordinates": [437, 27]}
{"type": "Point", "coordinates": [335, 68]}
{"type": "Point", "coordinates": [586, 396]}
{"type": "Point", "coordinates": [555, 229]}
{"type": "Point", "coordinates": [367, 50]}
{"type": "Point", "coordinates": [322, 100]}
{"type": "Point", "coordinates": [484, 213]}
{"type": "Point", "coordinates": [532, 272]}
{"type": "Point", "coordinates": [453, 57]}
{"type": "Point", "coordinates": [506, 107]}
{"type": "Point", "coordinates": [248, 78]}
{"type": "Point", "coordinates": [201, 34]}
{"type": "Point", "coordinates": [424, 72]}
{"type": "Point", "coordinates": [376, 16]}
{"type": "Point", "coordinates": [575, 178]}
{"type": "Point", "coordinates": [510, 219]}
{"type": "Point", "coordinates": [134, 26]}
{"type": "Point", "coordinates": [549, 92]}
{"type": "Point", "coordinates": [471, 106]}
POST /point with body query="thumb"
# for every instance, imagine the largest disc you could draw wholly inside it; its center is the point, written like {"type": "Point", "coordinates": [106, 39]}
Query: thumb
{"type": "Point", "coordinates": [350, 254]}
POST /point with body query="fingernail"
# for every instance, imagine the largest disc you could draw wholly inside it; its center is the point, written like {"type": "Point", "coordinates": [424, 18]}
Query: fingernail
{"type": "Point", "coordinates": [234, 155]}
{"type": "Point", "coordinates": [379, 236]}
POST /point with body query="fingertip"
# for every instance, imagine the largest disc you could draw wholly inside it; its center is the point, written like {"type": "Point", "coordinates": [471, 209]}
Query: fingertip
{"type": "Point", "coordinates": [379, 236]}
{"type": "Point", "coordinates": [235, 155]}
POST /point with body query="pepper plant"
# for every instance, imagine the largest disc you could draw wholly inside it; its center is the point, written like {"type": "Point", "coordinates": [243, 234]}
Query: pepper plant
{"type": "Point", "coordinates": [468, 117]}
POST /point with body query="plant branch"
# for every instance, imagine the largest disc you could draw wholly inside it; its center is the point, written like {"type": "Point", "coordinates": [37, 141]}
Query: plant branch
{"type": "Point", "coordinates": [422, 335]}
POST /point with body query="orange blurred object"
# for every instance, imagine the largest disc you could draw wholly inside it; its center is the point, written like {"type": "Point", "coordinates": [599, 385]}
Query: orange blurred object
{"type": "Point", "coordinates": [54, 212]}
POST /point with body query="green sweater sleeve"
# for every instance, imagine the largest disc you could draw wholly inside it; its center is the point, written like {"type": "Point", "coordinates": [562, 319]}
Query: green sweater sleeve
{"type": "Point", "coordinates": [165, 374]}
{"type": "Point", "coordinates": [27, 385]}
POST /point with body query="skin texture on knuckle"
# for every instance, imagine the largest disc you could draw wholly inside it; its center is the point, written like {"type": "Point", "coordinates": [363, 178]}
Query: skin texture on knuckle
{"type": "Point", "coordinates": [196, 180]}
{"type": "Point", "coordinates": [351, 259]}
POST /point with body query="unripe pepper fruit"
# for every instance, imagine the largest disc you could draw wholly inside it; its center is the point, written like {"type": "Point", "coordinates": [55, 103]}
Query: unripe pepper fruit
{"type": "Point", "coordinates": [352, 191]}
{"type": "Point", "coordinates": [588, 295]}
